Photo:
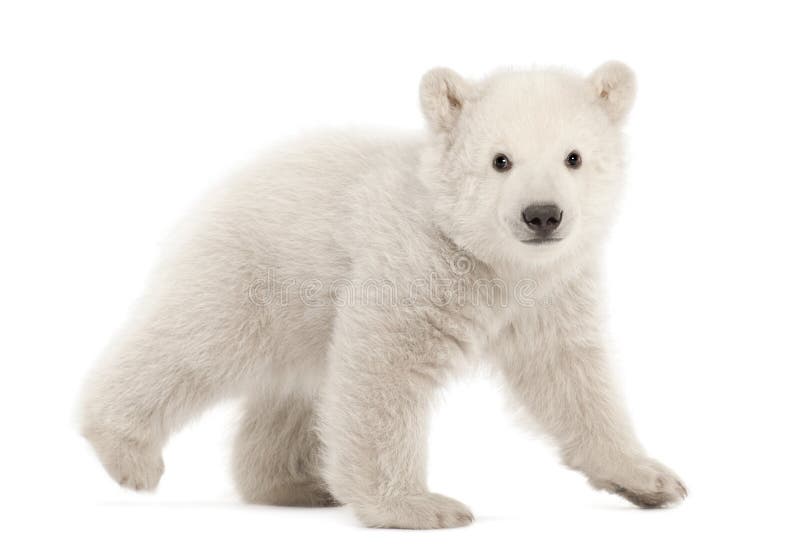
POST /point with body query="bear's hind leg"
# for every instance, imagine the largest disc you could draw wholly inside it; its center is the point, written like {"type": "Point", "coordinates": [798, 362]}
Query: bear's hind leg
{"type": "Point", "coordinates": [276, 453]}
{"type": "Point", "coordinates": [168, 367]}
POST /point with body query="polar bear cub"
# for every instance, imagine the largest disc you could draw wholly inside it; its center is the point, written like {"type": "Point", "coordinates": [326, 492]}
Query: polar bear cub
{"type": "Point", "coordinates": [338, 283]}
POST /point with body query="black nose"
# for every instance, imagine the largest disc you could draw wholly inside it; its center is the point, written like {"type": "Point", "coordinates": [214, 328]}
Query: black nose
{"type": "Point", "coordinates": [542, 219]}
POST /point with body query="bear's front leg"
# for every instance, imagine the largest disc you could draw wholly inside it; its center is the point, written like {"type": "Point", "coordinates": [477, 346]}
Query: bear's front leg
{"type": "Point", "coordinates": [556, 365]}
{"type": "Point", "coordinates": [384, 369]}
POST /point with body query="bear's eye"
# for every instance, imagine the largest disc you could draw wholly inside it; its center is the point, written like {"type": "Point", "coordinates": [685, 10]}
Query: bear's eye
{"type": "Point", "coordinates": [573, 160]}
{"type": "Point", "coordinates": [501, 162]}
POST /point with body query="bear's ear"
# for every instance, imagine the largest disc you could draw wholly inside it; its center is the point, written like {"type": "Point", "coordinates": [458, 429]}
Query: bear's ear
{"type": "Point", "coordinates": [614, 87]}
{"type": "Point", "coordinates": [442, 94]}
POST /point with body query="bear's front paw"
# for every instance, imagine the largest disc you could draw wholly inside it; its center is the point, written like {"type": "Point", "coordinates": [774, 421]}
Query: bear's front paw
{"type": "Point", "coordinates": [646, 483]}
{"type": "Point", "coordinates": [417, 512]}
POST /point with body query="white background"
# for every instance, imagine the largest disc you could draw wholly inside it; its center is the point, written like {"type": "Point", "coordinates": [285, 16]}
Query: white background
{"type": "Point", "coordinates": [115, 117]}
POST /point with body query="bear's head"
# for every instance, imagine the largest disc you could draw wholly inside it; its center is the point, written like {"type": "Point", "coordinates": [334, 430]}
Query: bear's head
{"type": "Point", "coordinates": [526, 167]}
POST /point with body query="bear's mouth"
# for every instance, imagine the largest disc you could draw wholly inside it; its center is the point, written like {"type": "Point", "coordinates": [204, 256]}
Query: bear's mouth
{"type": "Point", "coordinates": [541, 240]}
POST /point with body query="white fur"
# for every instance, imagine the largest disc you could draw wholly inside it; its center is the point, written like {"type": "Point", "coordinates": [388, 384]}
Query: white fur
{"type": "Point", "coordinates": [338, 283]}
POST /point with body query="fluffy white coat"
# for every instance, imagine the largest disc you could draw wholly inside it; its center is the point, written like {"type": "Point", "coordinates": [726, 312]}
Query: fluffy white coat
{"type": "Point", "coordinates": [339, 282]}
